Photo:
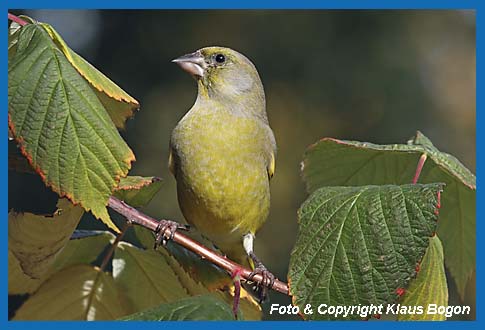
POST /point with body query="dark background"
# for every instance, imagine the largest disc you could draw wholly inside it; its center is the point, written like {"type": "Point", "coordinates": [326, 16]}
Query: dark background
{"type": "Point", "coordinates": [374, 76]}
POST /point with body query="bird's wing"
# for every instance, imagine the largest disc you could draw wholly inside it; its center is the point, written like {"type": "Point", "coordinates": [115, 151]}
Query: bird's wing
{"type": "Point", "coordinates": [271, 166]}
{"type": "Point", "coordinates": [272, 152]}
{"type": "Point", "coordinates": [171, 163]}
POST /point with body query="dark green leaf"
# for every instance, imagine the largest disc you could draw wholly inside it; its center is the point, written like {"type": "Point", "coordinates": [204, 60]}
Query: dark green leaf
{"type": "Point", "coordinates": [145, 237]}
{"type": "Point", "coordinates": [205, 307]}
{"type": "Point", "coordinates": [332, 162]}
{"type": "Point", "coordinates": [84, 247]}
{"type": "Point", "coordinates": [358, 245]}
{"type": "Point", "coordinates": [13, 34]}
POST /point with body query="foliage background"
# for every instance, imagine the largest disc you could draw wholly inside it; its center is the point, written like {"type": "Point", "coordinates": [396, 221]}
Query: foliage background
{"type": "Point", "coordinates": [373, 76]}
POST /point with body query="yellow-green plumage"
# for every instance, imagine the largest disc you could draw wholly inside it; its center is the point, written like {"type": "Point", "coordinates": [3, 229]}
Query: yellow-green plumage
{"type": "Point", "coordinates": [223, 153]}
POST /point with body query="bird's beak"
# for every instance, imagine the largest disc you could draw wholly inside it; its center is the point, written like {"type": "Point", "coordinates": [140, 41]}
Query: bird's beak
{"type": "Point", "coordinates": [193, 63]}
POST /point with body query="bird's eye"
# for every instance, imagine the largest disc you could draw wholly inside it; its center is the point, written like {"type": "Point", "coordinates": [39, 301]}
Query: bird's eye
{"type": "Point", "coordinates": [220, 58]}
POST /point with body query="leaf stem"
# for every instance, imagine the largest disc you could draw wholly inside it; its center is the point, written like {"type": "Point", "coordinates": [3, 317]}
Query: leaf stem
{"type": "Point", "coordinates": [139, 218]}
{"type": "Point", "coordinates": [421, 162]}
{"type": "Point", "coordinates": [16, 19]}
{"type": "Point", "coordinates": [108, 255]}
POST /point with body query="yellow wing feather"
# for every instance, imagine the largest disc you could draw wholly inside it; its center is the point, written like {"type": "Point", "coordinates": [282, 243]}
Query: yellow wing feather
{"type": "Point", "coordinates": [271, 166]}
{"type": "Point", "coordinates": [171, 164]}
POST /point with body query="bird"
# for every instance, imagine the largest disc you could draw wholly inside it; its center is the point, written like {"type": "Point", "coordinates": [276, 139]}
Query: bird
{"type": "Point", "coordinates": [222, 154]}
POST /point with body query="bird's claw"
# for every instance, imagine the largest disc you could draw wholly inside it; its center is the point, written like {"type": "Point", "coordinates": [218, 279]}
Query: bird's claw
{"type": "Point", "coordinates": [266, 283]}
{"type": "Point", "coordinates": [165, 231]}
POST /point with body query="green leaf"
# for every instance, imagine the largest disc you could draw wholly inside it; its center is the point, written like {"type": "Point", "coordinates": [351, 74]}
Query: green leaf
{"type": "Point", "coordinates": [359, 245]}
{"type": "Point", "coordinates": [192, 285]}
{"type": "Point", "coordinates": [61, 126]}
{"type": "Point", "coordinates": [18, 281]}
{"type": "Point", "coordinates": [429, 287]}
{"type": "Point", "coordinates": [160, 278]}
{"type": "Point", "coordinates": [79, 250]}
{"type": "Point", "coordinates": [116, 101]}
{"type": "Point", "coordinates": [200, 277]}
{"type": "Point", "coordinates": [205, 307]}
{"type": "Point", "coordinates": [13, 33]}
{"type": "Point", "coordinates": [145, 236]}
{"type": "Point", "coordinates": [35, 240]}
{"type": "Point", "coordinates": [118, 109]}
{"type": "Point", "coordinates": [332, 162]}
{"type": "Point", "coordinates": [84, 247]}
{"type": "Point", "coordinates": [200, 270]}
{"type": "Point", "coordinates": [80, 292]}
{"type": "Point", "coordinates": [155, 281]}
{"type": "Point", "coordinates": [137, 191]}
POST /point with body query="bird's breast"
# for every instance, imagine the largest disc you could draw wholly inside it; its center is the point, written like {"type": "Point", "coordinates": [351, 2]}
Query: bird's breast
{"type": "Point", "coordinates": [220, 167]}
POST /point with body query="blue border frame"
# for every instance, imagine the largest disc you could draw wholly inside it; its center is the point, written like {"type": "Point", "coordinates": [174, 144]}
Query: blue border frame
{"type": "Point", "coordinates": [248, 4]}
{"type": "Point", "coordinates": [241, 4]}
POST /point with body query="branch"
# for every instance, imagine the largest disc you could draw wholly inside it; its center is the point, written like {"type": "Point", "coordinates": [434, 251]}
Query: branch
{"type": "Point", "coordinates": [16, 19]}
{"type": "Point", "coordinates": [139, 218]}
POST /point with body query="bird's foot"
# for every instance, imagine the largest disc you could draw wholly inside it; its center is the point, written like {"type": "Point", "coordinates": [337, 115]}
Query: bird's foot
{"type": "Point", "coordinates": [267, 281]}
{"type": "Point", "coordinates": [165, 231]}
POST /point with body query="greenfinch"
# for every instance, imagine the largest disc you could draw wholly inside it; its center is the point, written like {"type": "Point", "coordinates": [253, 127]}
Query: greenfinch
{"type": "Point", "coordinates": [222, 154]}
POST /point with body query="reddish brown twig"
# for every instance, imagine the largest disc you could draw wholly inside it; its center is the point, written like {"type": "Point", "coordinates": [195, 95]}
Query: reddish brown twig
{"type": "Point", "coordinates": [16, 19]}
{"type": "Point", "coordinates": [139, 218]}
{"type": "Point", "coordinates": [421, 161]}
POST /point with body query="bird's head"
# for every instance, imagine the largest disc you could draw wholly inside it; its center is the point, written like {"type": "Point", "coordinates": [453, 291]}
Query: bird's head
{"type": "Point", "coordinates": [223, 73]}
